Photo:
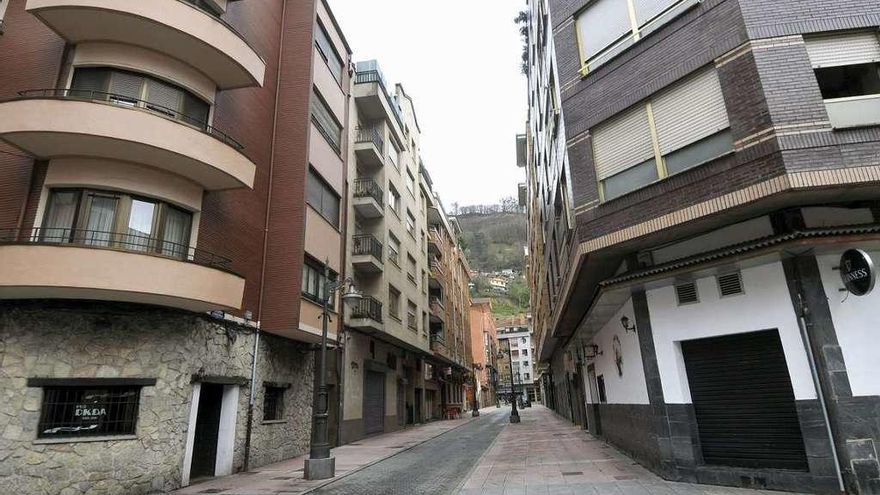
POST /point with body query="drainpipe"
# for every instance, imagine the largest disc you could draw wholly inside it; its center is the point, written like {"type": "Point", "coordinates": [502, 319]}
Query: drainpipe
{"type": "Point", "coordinates": [802, 325]}
{"type": "Point", "coordinates": [251, 400]}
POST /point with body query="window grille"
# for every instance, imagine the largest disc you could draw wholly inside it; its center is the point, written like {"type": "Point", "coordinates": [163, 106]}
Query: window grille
{"type": "Point", "coordinates": [88, 411]}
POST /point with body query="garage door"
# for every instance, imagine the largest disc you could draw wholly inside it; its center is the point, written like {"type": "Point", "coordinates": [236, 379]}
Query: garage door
{"type": "Point", "coordinates": [744, 402]}
{"type": "Point", "coordinates": [374, 402]}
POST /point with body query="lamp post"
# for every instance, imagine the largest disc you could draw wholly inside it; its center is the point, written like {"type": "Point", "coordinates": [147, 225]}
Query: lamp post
{"type": "Point", "coordinates": [514, 414]}
{"type": "Point", "coordinates": [320, 464]}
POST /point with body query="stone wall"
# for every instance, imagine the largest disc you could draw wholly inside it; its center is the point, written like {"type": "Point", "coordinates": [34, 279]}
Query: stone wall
{"type": "Point", "coordinates": [101, 340]}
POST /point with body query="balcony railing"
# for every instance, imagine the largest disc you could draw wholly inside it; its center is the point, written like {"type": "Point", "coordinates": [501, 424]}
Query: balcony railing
{"type": "Point", "coordinates": [128, 102]}
{"type": "Point", "coordinates": [368, 307]}
{"type": "Point", "coordinates": [368, 188]}
{"type": "Point", "coordinates": [117, 241]}
{"type": "Point", "coordinates": [371, 134]}
{"type": "Point", "coordinates": [367, 245]}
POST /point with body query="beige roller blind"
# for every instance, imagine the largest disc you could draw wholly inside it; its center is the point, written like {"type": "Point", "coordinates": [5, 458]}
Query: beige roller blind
{"type": "Point", "coordinates": [649, 9]}
{"type": "Point", "coordinates": [601, 24]}
{"type": "Point", "coordinates": [622, 142]}
{"type": "Point", "coordinates": [689, 111]}
{"type": "Point", "coordinates": [844, 49]}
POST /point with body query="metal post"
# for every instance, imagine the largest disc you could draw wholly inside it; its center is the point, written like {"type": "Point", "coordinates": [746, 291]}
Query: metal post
{"type": "Point", "coordinates": [320, 465]}
{"type": "Point", "coordinates": [514, 414]}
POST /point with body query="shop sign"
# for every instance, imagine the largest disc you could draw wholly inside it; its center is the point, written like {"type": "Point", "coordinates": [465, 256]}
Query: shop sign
{"type": "Point", "coordinates": [857, 272]}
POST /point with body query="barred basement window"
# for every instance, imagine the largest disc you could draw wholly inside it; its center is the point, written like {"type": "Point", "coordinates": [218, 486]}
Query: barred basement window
{"type": "Point", "coordinates": [687, 293]}
{"type": "Point", "coordinates": [273, 403]}
{"type": "Point", "coordinates": [730, 284]}
{"type": "Point", "coordinates": [83, 411]}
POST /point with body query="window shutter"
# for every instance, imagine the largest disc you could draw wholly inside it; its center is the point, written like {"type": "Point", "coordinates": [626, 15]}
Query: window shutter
{"type": "Point", "coordinates": [125, 84]}
{"type": "Point", "coordinates": [844, 49]}
{"type": "Point", "coordinates": [164, 96]}
{"type": "Point", "coordinates": [622, 142]}
{"type": "Point", "coordinates": [90, 79]}
{"type": "Point", "coordinates": [730, 284]}
{"type": "Point", "coordinates": [649, 9]}
{"type": "Point", "coordinates": [601, 24]}
{"type": "Point", "coordinates": [690, 111]}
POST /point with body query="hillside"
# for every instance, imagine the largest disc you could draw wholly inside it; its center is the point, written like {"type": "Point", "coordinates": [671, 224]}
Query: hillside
{"type": "Point", "coordinates": [494, 243]}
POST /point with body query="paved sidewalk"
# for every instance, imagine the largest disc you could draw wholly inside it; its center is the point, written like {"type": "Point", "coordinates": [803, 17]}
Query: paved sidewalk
{"type": "Point", "coordinates": [286, 478]}
{"type": "Point", "coordinates": [546, 455]}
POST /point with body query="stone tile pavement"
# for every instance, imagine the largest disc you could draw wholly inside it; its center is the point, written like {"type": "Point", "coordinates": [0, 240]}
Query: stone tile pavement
{"type": "Point", "coordinates": [286, 478]}
{"type": "Point", "coordinates": [546, 455]}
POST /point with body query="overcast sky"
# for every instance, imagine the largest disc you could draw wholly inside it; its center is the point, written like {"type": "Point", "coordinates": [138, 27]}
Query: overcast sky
{"type": "Point", "coordinates": [459, 61]}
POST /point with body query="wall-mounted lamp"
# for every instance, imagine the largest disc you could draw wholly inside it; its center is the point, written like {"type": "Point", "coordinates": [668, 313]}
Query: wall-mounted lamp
{"type": "Point", "coordinates": [627, 325]}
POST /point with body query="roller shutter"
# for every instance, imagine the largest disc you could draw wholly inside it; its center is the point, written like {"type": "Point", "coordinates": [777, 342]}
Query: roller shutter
{"type": "Point", "coordinates": [690, 111]}
{"type": "Point", "coordinates": [622, 142]}
{"type": "Point", "coordinates": [744, 402]}
{"type": "Point", "coordinates": [374, 402]}
{"type": "Point", "coordinates": [601, 24]}
{"type": "Point", "coordinates": [844, 49]}
{"type": "Point", "coordinates": [126, 84]}
{"type": "Point", "coordinates": [649, 9]}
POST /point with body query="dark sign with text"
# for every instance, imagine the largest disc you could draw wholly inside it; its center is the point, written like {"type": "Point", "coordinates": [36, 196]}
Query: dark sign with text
{"type": "Point", "coordinates": [857, 271]}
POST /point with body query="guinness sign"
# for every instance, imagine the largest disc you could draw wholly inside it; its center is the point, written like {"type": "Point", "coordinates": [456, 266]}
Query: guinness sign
{"type": "Point", "coordinates": [857, 272]}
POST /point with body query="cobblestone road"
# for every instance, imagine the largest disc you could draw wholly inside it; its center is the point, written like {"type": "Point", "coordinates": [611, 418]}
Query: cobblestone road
{"type": "Point", "coordinates": [438, 466]}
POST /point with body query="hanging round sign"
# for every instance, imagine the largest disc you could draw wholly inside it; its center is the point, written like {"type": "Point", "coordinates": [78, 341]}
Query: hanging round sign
{"type": "Point", "coordinates": [857, 272]}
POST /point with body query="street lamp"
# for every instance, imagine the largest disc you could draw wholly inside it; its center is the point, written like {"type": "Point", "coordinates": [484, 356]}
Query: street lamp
{"type": "Point", "coordinates": [320, 464]}
{"type": "Point", "coordinates": [514, 414]}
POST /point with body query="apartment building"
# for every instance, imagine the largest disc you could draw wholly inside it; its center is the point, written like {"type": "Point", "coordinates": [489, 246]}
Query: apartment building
{"type": "Point", "coordinates": [702, 189]}
{"type": "Point", "coordinates": [161, 163]}
{"type": "Point", "coordinates": [521, 361]}
{"type": "Point", "coordinates": [484, 350]}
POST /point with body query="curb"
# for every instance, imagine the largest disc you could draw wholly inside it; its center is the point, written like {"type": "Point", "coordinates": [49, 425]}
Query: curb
{"type": "Point", "coordinates": [365, 466]}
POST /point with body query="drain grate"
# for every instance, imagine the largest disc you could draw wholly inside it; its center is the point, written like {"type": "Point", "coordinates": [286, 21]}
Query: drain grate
{"type": "Point", "coordinates": [572, 473]}
{"type": "Point", "coordinates": [213, 490]}
{"type": "Point", "coordinates": [283, 478]}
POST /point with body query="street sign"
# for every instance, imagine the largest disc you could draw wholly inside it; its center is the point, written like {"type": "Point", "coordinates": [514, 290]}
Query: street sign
{"type": "Point", "coordinates": [857, 272]}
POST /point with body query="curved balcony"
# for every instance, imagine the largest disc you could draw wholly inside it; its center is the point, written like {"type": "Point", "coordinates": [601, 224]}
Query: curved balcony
{"type": "Point", "coordinates": [67, 122]}
{"type": "Point", "coordinates": [172, 27]}
{"type": "Point", "coordinates": [80, 264]}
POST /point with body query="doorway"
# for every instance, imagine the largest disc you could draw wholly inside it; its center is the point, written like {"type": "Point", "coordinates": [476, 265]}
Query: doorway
{"type": "Point", "coordinates": [374, 402]}
{"type": "Point", "coordinates": [594, 424]}
{"type": "Point", "coordinates": [418, 406]}
{"type": "Point", "coordinates": [204, 458]}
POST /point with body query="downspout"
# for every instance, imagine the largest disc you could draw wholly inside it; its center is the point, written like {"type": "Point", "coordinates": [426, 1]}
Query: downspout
{"type": "Point", "coordinates": [341, 344]}
{"type": "Point", "coordinates": [251, 400]}
{"type": "Point", "coordinates": [802, 325]}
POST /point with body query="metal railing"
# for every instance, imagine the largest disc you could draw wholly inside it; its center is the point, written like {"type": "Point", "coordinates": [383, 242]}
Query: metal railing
{"type": "Point", "coordinates": [371, 134]}
{"type": "Point", "coordinates": [366, 244]}
{"type": "Point", "coordinates": [368, 188]}
{"type": "Point", "coordinates": [128, 102]}
{"type": "Point", "coordinates": [119, 241]}
{"type": "Point", "coordinates": [368, 307]}
{"type": "Point", "coordinates": [375, 76]}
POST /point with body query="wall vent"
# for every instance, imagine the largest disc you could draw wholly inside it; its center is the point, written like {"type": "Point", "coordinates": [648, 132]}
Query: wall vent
{"type": "Point", "coordinates": [687, 293]}
{"type": "Point", "coordinates": [730, 284]}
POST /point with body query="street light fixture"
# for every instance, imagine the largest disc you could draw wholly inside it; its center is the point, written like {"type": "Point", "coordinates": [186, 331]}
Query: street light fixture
{"type": "Point", "coordinates": [514, 414]}
{"type": "Point", "coordinates": [320, 464]}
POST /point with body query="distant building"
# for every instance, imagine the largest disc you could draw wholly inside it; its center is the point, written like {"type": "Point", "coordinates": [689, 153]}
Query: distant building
{"type": "Point", "coordinates": [484, 348]}
{"type": "Point", "coordinates": [518, 340]}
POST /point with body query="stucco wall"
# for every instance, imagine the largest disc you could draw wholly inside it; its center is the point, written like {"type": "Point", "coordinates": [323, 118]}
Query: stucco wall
{"type": "Point", "coordinates": [766, 304]}
{"type": "Point", "coordinates": [856, 320]}
{"type": "Point", "coordinates": [83, 340]}
{"type": "Point", "coordinates": [629, 387]}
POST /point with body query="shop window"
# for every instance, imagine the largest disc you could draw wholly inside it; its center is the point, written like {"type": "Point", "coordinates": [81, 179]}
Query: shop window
{"type": "Point", "coordinates": [273, 403]}
{"type": "Point", "coordinates": [90, 410]}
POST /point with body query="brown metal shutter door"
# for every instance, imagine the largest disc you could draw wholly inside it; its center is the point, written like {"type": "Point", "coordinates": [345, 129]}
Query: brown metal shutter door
{"type": "Point", "coordinates": [744, 402]}
{"type": "Point", "coordinates": [374, 402]}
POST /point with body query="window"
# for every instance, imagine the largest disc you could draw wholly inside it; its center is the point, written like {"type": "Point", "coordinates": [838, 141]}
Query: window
{"type": "Point", "coordinates": [410, 183]}
{"type": "Point", "coordinates": [410, 224]}
{"type": "Point", "coordinates": [525, 376]}
{"type": "Point", "coordinates": [525, 363]}
{"type": "Point", "coordinates": [273, 403]}
{"type": "Point", "coordinates": [113, 219]}
{"type": "Point", "coordinates": [600, 386]}
{"type": "Point", "coordinates": [411, 315]}
{"type": "Point", "coordinates": [411, 269]}
{"type": "Point", "coordinates": [525, 352]}
{"type": "Point", "coordinates": [847, 68]}
{"type": "Point", "coordinates": [139, 90]}
{"type": "Point", "coordinates": [607, 27]}
{"type": "Point", "coordinates": [393, 199]}
{"type": "Point", "coordinates": [328, 51]}
{"type": "Point", "coordinates": [314, 282]}
{"type": "Point", "coordinates": [677, 129]}
{"type": "Point", "coordinates": [322, 197]}
{"type": "Point", "coordinates": [393, 249]}
{"type": "Point", "coordinates": [394, 155]}
{"type": "Point", "coordinates": [326, 123]}
{"type": "Point", "coordinates": [394, 302]}
{"type": "Point", "coordinates": [91, 410]}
